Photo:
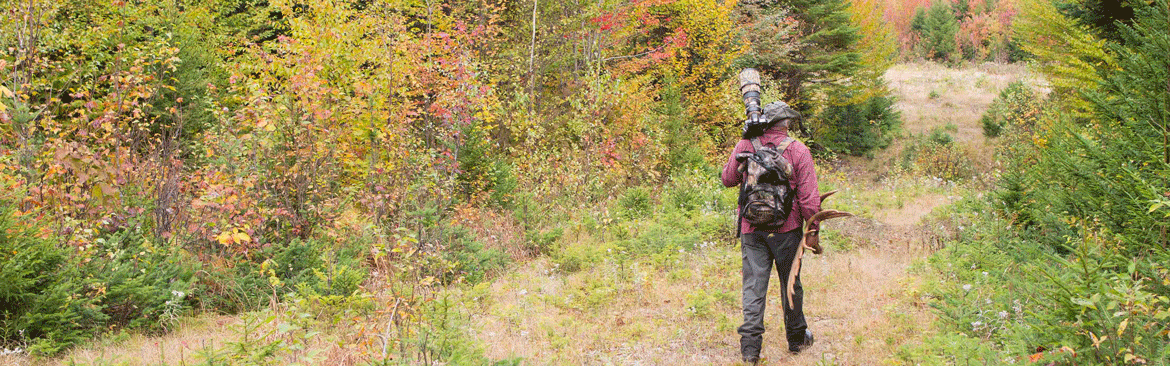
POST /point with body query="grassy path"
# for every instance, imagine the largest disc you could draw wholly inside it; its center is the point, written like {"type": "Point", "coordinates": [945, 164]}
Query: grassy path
{"type": "Point", "coordinates": [862, 304]}
{"type": "Point", "coordinates": [862, 296]}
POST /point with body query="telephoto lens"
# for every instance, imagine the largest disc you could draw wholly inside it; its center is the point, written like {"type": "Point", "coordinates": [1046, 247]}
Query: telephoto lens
{"type": "Point", "coordinates": [749, 86]}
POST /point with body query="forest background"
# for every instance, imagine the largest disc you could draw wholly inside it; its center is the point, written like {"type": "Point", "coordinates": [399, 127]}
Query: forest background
{"type": "Point", "coordinates": [353, 159]}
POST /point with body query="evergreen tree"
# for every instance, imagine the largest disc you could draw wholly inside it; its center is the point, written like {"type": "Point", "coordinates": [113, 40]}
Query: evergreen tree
{"type": "Point", "coordinates": [1103, 16]}
{"type": "Point", "coordinates": [962, 9]}
{"type": "Point", "coordinates": [937, 40]}
{"type": "Point", "coordinates": [823, 50]}
{"type": "Point", "coordinates": [918, 24]}
{"type": "Point", "coordinates": [1133, 104]}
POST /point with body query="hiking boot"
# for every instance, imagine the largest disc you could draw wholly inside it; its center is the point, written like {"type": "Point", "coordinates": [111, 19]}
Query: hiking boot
{"type": "Point", "coordinates": [808, 342]}
{"type": "Point", "coordinates": [751, 361]}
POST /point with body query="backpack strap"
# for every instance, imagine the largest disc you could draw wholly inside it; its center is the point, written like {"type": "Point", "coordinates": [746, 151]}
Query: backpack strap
{"type": "Point", "coordinates": [781, 147]}
{"type": "Point", "coordinates": [784, 144]}
{"type": "Point", "coordinates": [787, 141]}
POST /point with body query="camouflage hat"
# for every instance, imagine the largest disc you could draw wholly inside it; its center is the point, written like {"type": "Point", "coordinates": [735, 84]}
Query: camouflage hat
{"type": "Point", "coordinates": [778, 111]}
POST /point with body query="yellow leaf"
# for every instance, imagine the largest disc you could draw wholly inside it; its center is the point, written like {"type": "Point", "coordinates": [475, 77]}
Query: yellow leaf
{"type": "Point", "coordinates": [4, 92]}
{"type": "Point", "coordinates": [224, 238]}
{"type": "Point", "coordinates": [1121, 328]}
{"type": "Point", "coordinates": [241, 237]}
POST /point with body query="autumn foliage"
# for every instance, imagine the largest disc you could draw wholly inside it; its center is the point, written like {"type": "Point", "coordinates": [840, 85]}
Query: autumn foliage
{"type": "Point", "coordinates": [230, 149]}
{"type": "Point", "coordinates": [163, 158]}
{"type": "Point", "coordinates": [983, 29]}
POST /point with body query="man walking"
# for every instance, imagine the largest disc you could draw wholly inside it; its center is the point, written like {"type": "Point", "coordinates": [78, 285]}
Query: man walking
{"type": "Point", "coordinates": [763, 245]}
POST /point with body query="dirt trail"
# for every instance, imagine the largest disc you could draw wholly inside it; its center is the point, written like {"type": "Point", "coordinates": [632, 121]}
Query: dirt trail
{"type": "Point", "coordinates": [862, 304]}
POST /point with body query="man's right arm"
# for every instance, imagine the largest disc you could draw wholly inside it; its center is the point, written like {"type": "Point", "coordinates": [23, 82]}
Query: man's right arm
{"type": "Point", "coordinates": [731, 176]}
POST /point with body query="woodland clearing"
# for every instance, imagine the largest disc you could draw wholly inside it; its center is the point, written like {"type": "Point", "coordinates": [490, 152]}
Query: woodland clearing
{"type": "Point", "coordinates": [863, 299]}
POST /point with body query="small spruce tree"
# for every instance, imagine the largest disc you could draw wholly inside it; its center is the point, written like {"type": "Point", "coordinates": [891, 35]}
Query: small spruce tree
{"type": "Point", "coordinates": [822, 53]}
{"type": "Point", "coordinates": [937, 38]}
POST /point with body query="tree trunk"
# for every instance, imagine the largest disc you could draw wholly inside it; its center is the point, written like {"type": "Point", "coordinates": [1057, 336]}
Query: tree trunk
{"type": "Point", "coordinates": [532, 59]}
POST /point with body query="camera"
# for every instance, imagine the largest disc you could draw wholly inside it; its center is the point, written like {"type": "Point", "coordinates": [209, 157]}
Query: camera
{"type": "Point", "coordinates": [760, 119]}
{"type": "Point", "coordinates": [749, 87]}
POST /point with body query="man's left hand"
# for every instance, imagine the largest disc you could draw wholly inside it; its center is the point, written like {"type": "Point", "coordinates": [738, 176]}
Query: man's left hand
{"type": "Point", "coordinates": [812, 242]}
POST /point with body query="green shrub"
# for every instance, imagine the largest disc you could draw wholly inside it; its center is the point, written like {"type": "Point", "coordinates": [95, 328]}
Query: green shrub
{"type": "Point", "coordinates": [713, 227]}
{"type": "Point", "coordinates": [575, 257]}
{"type": "Point", "coordinates": [39, 285]}
{"type": "Point", "coordinates": [665, 234]}
{"type": "Point", "coordinates": [939, 136]}
{"type": "Point", "coordinates": [1016, 107]}
{"type": "Point", "coordinates": [142, 278]}
{"type": "Point", "coordinates": [441, 335]}
{"type": "Point", "coordinates": [469, 258]}
{"type": "Point", "coordinates": [691, 191]}
{"type": "Point", "coordinates": [527, 210]}
{"type": "Point", "coordinates": [474, 160]}
{"type": "Point", "coordinates": [331, 276]}
{"type": "Point", "coordinates": [635, 203]}
{"type": "Point", "coordinates": [503, 184]}
{"type": "Point", "coordinates": [858, 128]}
{"type": "Point", "coordinates": [937, 156]}
{"type": "Point", "coordinates": [543, 241]}
{"type": "Point", "coordinates": [684, 147]}
{"type": "Point", "coordinates": [121, 279]}
{"type": "Point", "coordinates": [482, 171]}
{"type": "Point", "coordinates": [1006, 293]}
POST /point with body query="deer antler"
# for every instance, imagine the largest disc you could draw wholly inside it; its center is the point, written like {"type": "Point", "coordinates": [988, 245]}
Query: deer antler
{"type": "Point", "coordinates": [818, 217]}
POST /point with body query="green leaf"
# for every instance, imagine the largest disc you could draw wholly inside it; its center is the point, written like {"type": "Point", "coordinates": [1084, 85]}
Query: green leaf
{"type": "Point", "coordinates": [1084, 303]}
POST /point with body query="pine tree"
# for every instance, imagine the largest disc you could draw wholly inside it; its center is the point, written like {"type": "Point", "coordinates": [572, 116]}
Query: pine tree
{"type": "Point", "coordinates": [937, 40]}
{"type": "Point", "coordinates": [1133, 103]}
{"type": "Point", "coordinates": [859, 115]}
{"type": "Point", "coordinates": [823, 52]}
{"type": "Point", "coordinates": [1103, 16]}
{"type": "Point", "coordinates": [918, 24]}
{"type": "Point", "coordinates": [962, 9]}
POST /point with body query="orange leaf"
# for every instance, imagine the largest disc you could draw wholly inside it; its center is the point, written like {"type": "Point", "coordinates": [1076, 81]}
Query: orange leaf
{"type": "Point", "coordinates": [1036, 357]}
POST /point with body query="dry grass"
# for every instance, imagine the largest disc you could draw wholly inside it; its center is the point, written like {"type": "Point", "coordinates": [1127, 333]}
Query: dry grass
{"type": "Point", "coordinates": [192, 339]}
{"type": "Point", "coordinates": [857, 302]}
{"type": "Point", "coordinates": [176, 347]}
{"type": "Point", "coordinates": [960, 95]}
{"type": "Point", "coordinates": [934, 96]}
{"type": "Point", "coordinates": [862, 303]}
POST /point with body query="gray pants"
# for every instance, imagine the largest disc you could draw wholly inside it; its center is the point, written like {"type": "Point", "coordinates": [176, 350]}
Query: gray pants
{"type": "Point", "coordinates": [760, 250]}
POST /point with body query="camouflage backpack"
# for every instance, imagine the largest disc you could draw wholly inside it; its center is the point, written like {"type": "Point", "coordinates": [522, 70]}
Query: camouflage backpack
{"type": "Point", "coordinates": [765, 198]}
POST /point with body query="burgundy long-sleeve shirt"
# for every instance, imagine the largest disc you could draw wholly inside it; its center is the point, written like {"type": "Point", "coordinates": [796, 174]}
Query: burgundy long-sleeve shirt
{"type": "Point", "coordinates": [804, 180]}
